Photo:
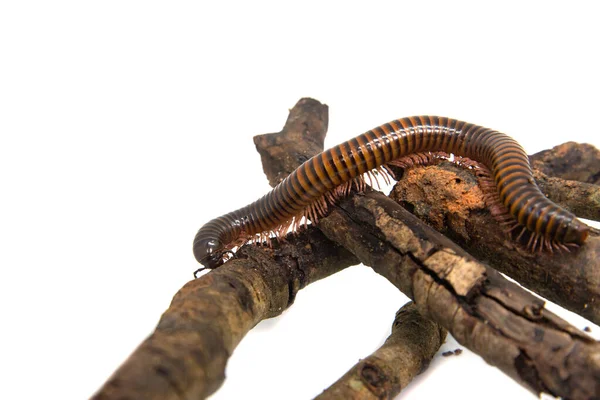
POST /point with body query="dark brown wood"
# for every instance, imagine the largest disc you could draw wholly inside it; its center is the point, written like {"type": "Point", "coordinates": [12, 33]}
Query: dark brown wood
{"type": "Point", "coordinates": [570, 161]}
{"type": "Point", "coordinates": [493, 317]}
{"type": "Point", "coordinates": [449, 199]}
{"type": "Point", "coordinates": [582, 199]}
{"type": "Point", "coordinates": [302, 137]}
{"type": "Point", "coordinates": [484, 301]}
{"type": "Point", "coordinates": [414, 340]}
{"type": "Point", "coordinates": [406, 353]}
{"type": "Point", "coordinates": [185, 356]}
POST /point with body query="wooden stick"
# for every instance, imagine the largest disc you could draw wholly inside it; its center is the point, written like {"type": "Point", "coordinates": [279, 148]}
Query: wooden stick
{"type": "Point", "coordinates": [493, 317]}
{"type": "Point", "coordinates": [570, 161]}
{"type": "Point", "coordinates": [406, 353]}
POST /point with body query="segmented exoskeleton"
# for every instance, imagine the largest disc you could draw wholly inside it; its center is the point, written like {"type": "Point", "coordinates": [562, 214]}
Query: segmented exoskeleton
{"type": "Point", "coordinates": [307, 191]}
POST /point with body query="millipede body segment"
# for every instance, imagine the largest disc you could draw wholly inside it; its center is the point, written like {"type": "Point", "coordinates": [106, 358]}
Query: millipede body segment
{"type": "Point", "coordinates": [307, 191]}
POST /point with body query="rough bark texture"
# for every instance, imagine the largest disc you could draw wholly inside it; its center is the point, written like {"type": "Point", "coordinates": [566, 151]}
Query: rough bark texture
{"type": "Point", "coordinates": [572, 161]}
{"type": "Point", "coordinates": [185, 357]}
{"type": "Point", "coordinates": [449, 199]}
{"type": "Point", "coordinates": [385, 374]}
{"type": "Point", "coordinates": [303, 137]}
{"type": "Point", "coordinates": [582, 199]}
{"type": "Point", "coordinates": [493, 317]}
{"type": "Point", "coordinates": [406, 353]}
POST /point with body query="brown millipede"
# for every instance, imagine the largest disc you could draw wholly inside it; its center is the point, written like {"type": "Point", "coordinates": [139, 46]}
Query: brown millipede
{"type": "Point", "coordinates": [307, 191]}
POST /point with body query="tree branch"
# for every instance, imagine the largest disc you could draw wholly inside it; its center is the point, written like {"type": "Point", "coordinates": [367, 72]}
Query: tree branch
{"type": "Point", "coordinates": [449, 199]}
{"type": "Point", "coordinates": [185, 356]}
{"type": "Point", "coordinates": [493, 317]}
{"type": "Point", "coordinates": [582, 199]}
{"type": "Point", "coordinates": [569, 161]}
{"type": "Point", "coordinates": [283, 151]}
{"type": "Point", "coordinates": [406, 353]}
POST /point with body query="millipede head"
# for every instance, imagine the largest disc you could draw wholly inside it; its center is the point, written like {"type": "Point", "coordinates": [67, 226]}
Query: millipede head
{"type": "Point", "coordinates": [577, 232]}
{"type": "Point", "coordinates": [209, 252]}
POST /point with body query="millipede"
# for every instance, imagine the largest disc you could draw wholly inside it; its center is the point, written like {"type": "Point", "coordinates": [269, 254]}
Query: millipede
{"type": "Point", "coordinates": [320, 181]}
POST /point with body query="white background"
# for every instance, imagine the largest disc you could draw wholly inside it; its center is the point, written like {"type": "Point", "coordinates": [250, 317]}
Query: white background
{"type": "Point", "coordinates": [125, 125]}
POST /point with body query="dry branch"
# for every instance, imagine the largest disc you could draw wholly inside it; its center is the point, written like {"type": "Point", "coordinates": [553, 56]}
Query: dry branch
{"type": "Point", "coordinates": [582, 199]}
{"type": "Point", "coordinates": [493, 317]}
{"type": "Point", "coordinates": [403, 356]}
{"type": "Point", "coordinates": [185, 356]}
{"type": "Point", "coordinates": [449, 199]}
{"type": "Point", "coordinates": [570, 161]}
{"type": "Point", "coordinates": [406, 353]}
{"type": "Point", "coordinates": [282, 152]}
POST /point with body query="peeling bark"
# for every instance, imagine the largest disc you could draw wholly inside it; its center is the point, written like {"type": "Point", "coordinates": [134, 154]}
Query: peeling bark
{"type": "Point", "coordinates": [449, 199]}
{"type": "Point", "coordinates": [493, 317]}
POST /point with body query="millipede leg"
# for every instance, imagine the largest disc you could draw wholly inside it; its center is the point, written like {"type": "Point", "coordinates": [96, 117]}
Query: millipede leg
{"type": "Point", "coordinates": [389, 171]}
{"type": "Point", "coordinates": [523, 230]}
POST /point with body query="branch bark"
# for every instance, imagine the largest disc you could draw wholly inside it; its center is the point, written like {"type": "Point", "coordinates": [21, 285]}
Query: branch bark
{"type": "Point", "coordinates": [303, 137]}
{"type": "Point", "coordinates": [185, 356]}
{"type": "Point", "coordinates": [449, 199]}
{"type": "Point", "coordinates": [569, 161]}
{"type": "Point", "coordinates": [410, 348]}
{"type": "Point", "coordinates": [406, 353]}
{"type": "Point", "coordinates": [493, 317]}
{"type": "Point", "coordinates": [582, 199]}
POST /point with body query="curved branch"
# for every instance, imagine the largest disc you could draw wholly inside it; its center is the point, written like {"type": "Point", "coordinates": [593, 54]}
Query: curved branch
{"type": "Point", "coordinates": [406, 353]}
{"type": "Point", "coordinates": [185, 356]}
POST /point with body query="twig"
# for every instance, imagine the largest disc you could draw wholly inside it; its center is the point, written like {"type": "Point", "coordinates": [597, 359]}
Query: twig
{"type": "Point", "coordinates": [582, 199]}
{"type": "Point", "coordinates": [570, 161]}
{"type": "Point", "coordinates": [302, 137]}
{"type": "Point", "coordinates": [282, 152]}
{"type": "Point", "coordinates": [406, 353]}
